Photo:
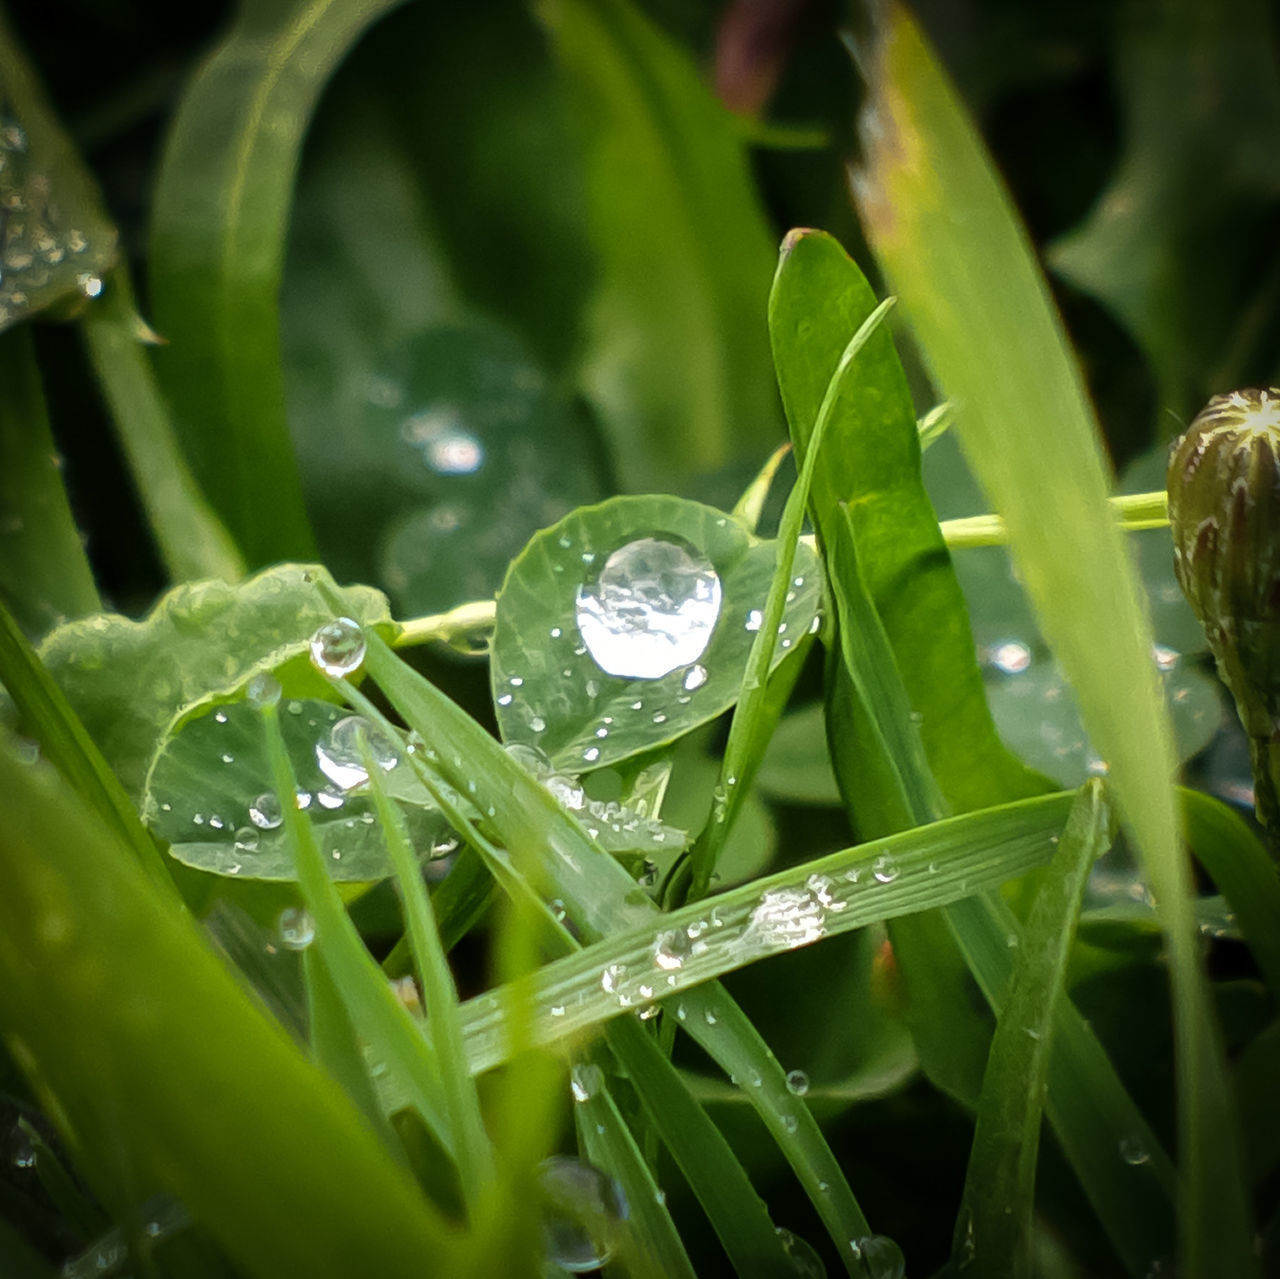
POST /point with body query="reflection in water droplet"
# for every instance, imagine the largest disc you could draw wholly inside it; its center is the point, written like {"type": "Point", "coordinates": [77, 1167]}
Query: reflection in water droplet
{"type": "Point", "coordinates": [797, 1083]}
{"type": "Point", "coordinates": [264, 812]}
{"type": "Point", "coordinates": [881, 1257]}
{"type": "Point", "coordinates": [296, 928]}
{"type": "Point", "coordinates": [581, 1212]}
{"type": "Point", "coordinates": [651, 610]}
{"type": "Point", "coordinates": [340, 756]}
{"type": "Point", "coordinates": [337, 647]}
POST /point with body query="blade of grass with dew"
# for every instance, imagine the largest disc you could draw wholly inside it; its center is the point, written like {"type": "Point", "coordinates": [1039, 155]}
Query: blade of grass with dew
{"type": "Point", "coordinates": [439, 996]}
{"type": "Point", "coordinates": [599, 895]}
{"type": "Point", "coordinates": [65, 743]}
{"type": "Point", "coordinates": [1087, 1104]}
{"type": "Point", "coordinates": [945, 231]}
{"type": "Point", "coordinates": [749, 731]}
{"type": "Point", "coordinates": [192, 541]}
{"type": "Point", "coordinates": [656, 1250]}
{"type": "Point", "coordinates": [1239, 864]}
{"type": "Point", "coordinates": [121, 1015]}
{"type": "Point", "coordinates": [994, 1225]}
{"type": "Point", "coordinates": [219, 222]}
{"type": "Point", "coordinates": [45, 576]}
{"type": "Point", "coordinates": [378, 1016]}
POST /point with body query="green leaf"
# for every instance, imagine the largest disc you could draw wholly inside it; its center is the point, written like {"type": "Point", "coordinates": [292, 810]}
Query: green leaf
{"type": "Point", "coordinates": [132, 683]}
{"type": "Point", "coordinates": [1174, 242]}
{"type": "Point", "coordinates": [872, 463]}
{"type": "Point", "coordinates": [549, 688]}
{"type": "Point", "coordinates": [942, 226]}
{"type": "Point", "coordinates": [203, 791]}
{"type": "Point", "coordinates": [56, 238]}
{"type": "Point", "coordinates": [796, 768]}
{"type": "Point", "coordinates": [994, 1225]}
{"type": "Point", "coordinates": [122, 1015]}
{"type": "Point", "coordinates": [676, 365]}
{"type": "Point", "coordinates": [44, 575]}
{"type": "Point", "coordinates": [219, 223]}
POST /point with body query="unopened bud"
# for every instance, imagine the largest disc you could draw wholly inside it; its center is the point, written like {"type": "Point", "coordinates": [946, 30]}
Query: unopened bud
{"type": "Point", "coordinates": [1224, 508]}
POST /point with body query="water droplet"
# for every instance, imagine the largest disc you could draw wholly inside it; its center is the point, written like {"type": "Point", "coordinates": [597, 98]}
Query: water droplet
{"type": "Point", "coordinates": [884, 868]}
{"type": "Point", "coordinates": [537, 724]}
{"type": "Point", "coordinates": [89, 284]}
{"type": "Point", "coordinates": [1134, 1152]}
{"type": "Point", "coordinates": [1166, 659]}
{"type": "Point", "coordinates": [302, 800]}
{"type": "Point", "coordinates": [581, 1212]}
{"type": "Point", "coordinates": [585, 1080]}
{"type": "Point", "coordinates": [20, 1149]}
{"type": "Point", "coordinates": [1011, 657]}
{"type": "Point", "coordinates": [695, 677]}
{"type": "Point", "coordinates": [611, 978]}
{"type": "Point", "coordinates": [264, 812]}
{"type": "Point", "coordinates": [340, 756]}
{"type": "Point", "coordinates": [247, 838]}
{"type": "Point", "coordinates": [651, 610]}
{"type": "Point", "coordinates": [444, 846]}
{"type": "Point", "coordinates": [296, 928]}
{"type": "Point", "coordinates": [447, 447]}
{"type": "Point", "coordinates": [338, 647]}
{"type": "Point", "coordinates": [591, 754]}
{"type": "Point", "coordinates": [567, 792]}
{"type": "Point", "coordinates": [263, 689]}
{"type": "Point", "coordinates": [881, 1257]}
{"type": "Point", "coordinates": [329, 798]}
{"type": "Point", "coordinates": [797, 1083]}
{"type": "Point", "coordinates": [805, 1262]}
{"type": "Point", "coordinates": [671, 949]}
{"type": "Point", "coordinates": [220, 717]}
{"type": "Point", "coordinates": [506, 699]}
{"type": "Point", "coordinates": [755, 620]}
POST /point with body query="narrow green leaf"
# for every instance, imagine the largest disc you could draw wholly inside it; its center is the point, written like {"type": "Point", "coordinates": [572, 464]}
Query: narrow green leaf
{"type": "Point", "coordinates": [943, 227]}
{"type": "Point", "coordinates": [191, 539]}
{"type": "Point", "coordinates": [218, 231]}
{"type": "Point", "coordinates": [994, 1225]}
{"type": "Point", "coordinates": [44, 575]}
{"type": "Point", "coordinates": [677, 364]}
{"type": "Point", "coordinates": [121, 1014]}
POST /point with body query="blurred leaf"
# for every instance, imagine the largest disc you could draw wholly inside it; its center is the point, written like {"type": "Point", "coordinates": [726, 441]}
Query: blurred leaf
{"type": "Point", "coordinates": [943, 227]}
{"type": "Point", "coordinates": [44, 575]}
{"type": "Point", "coordinates": [548, 684]}
{"type": "Point", "coordinates": [796, 768]}
{"type": "Point", "coordinates": [1186, 227]}
{"type": "Point", "coordinates": [677, 365]}
{"type": "Point", "coordinates": [122, 1016]}
{"type": "Point", "coordinates": [218, 229]}
{"type": "Point", "coordinates": [132, 682]}
{"type": "Point", "coordinates": [994, 1225]}
{"type": "Point", "coordinates": [55, 238]}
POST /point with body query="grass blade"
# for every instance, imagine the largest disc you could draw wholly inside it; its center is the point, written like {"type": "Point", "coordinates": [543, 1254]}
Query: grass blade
{"type": "Point", "coordinates": [219, 222]}
{"type": "Point", "coordinates": [942, 226]}
{"type": "Point", "coordinates": [994, 1226]}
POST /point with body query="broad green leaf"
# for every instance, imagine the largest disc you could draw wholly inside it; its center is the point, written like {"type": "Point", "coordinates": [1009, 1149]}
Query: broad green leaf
{"type": "Point", "coordinates": [132, 683]}
{"type": "Point", "coordinates": [204, 791]}
{"type": "Point", "coordinates": [219, 223]}
{"type": "Point", "coordinates": [56, 239]}
{"type": "Point", "coordinates": [994, 1225]}
{"type": "Point", "coordinates": [872, 463]}
{"type": "Point", "coordinates": [1174, 243]}
{"type": "Point", "coordinates": [121, 1014]}
{"type": "Point", "coordinates": [549, 687]}
{"type": "Point", "coordinates": [44, 575]}
{"type": "Point", "coordinates": [942, 226]}
{"type": "Point", "coordinates": [677, 365]}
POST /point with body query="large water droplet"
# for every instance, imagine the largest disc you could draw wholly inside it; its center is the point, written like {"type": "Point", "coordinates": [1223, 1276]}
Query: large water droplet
{"type": "Point", "coordinates": [338, 648]}
{"type": "Point", "coordinates": [651, 610]}
{"type": "Point", "coordinates": [296, 928]}
{"type": "Point", "coordinates": [341, 759]}
{"type": "Point", "coordinates": [581, 1212]}
{"type": "Point", "coordinates": [881, 1257]}
{"type": "Point", "coordinates": [264, 812]}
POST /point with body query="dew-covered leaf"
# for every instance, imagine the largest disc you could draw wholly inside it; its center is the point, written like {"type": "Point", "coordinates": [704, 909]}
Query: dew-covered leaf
{"type": "Point", "coordinates": [55, 237]}
{"type": "Point", "coordinates": [1038, 717]}
{"type": "Point", "coordinates": [131, 682]}
{"type": "Point", "coordinates": [209, 795]}
{"type": "Point", "coordinates": [630, 623]}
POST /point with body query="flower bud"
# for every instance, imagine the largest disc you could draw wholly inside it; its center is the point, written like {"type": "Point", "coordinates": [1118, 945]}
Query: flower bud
{"type": "Point", "coordinates": [1224, 508]}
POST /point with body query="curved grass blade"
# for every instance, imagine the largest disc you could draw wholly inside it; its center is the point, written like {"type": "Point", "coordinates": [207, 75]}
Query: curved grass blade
{"type": "Point", "coordinates": [190, 538]}
{"type": "Point", "coordinates": [378, 1016]}
{"type": "Point", "coordinates": [943, 227]}
{"type": "Point", "coordinates": [656, 1251]}
{"type": "Point", "coordinates": [219, 221]}
{"type": "Point", "coordinates": [122, 1015]}
{"type": "Point", "coordinates": [994, 1226]}
{"type": "Point", "coordinates": [45, 576]}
